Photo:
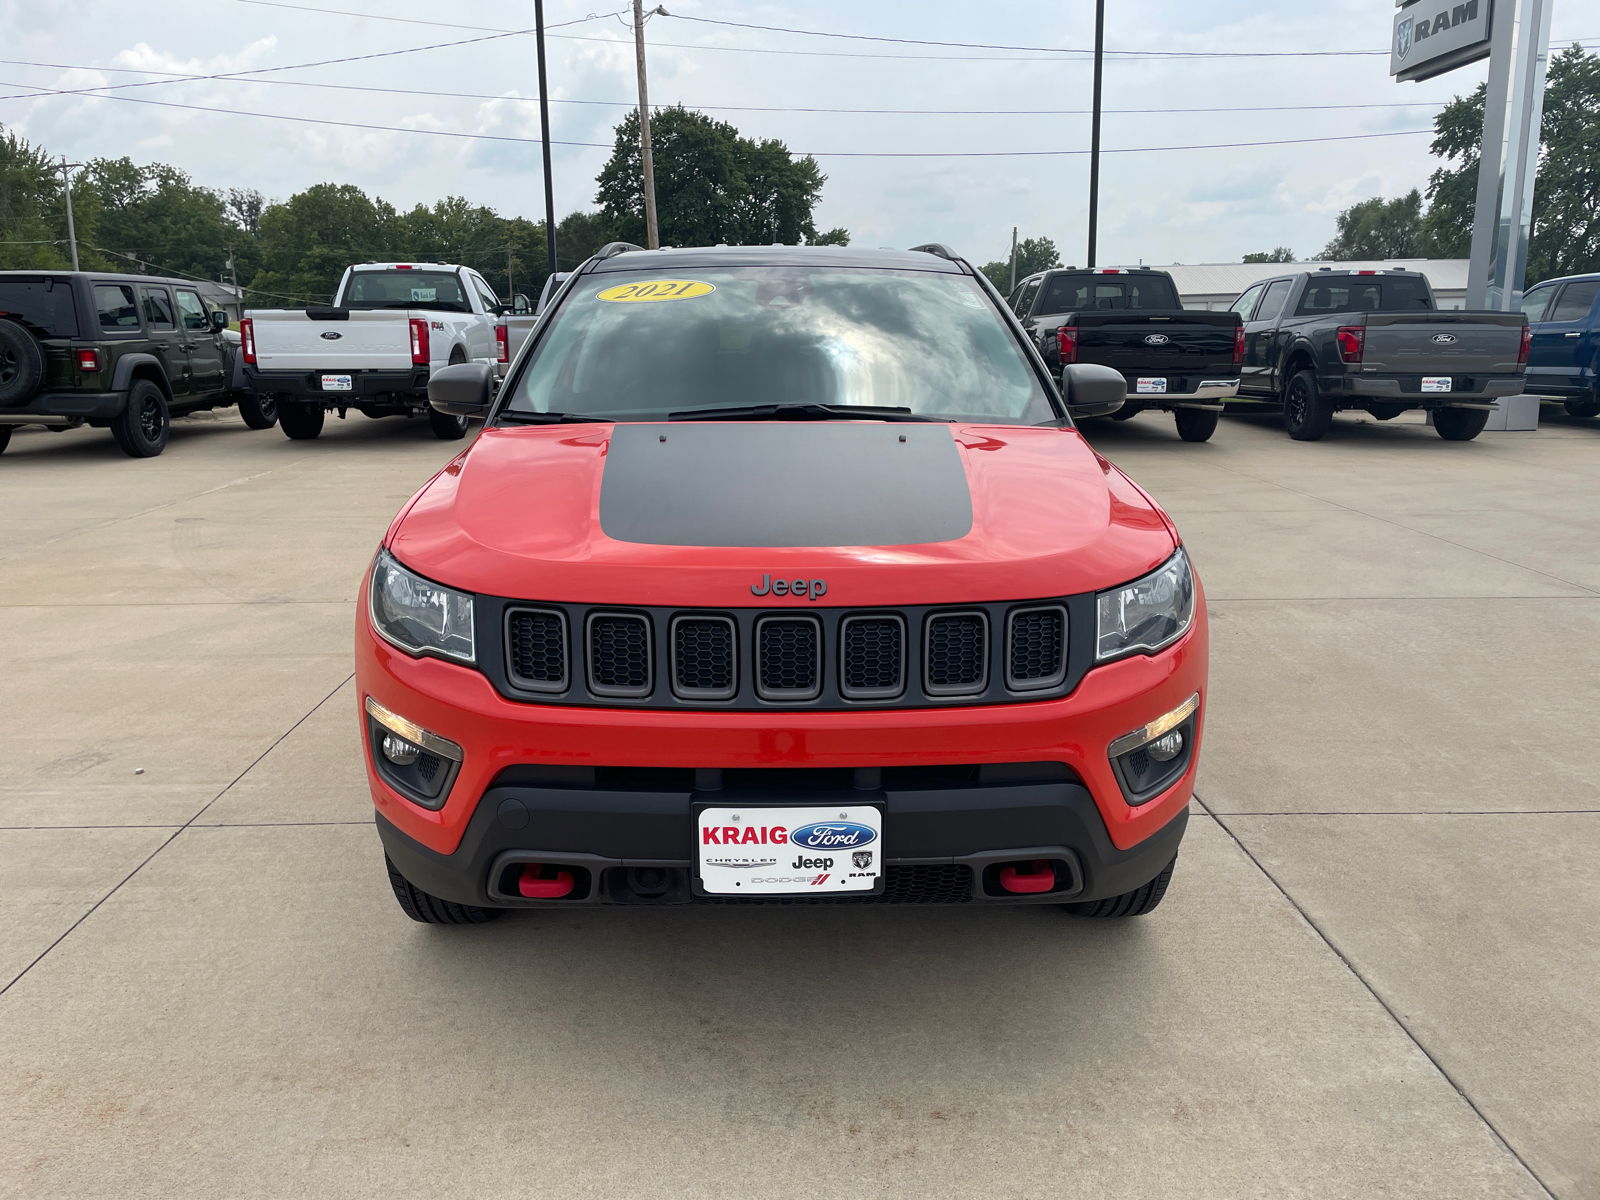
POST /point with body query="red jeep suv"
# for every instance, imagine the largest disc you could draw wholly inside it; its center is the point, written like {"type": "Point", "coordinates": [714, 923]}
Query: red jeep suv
{"type": "Point", "coordinates": [779, 575]}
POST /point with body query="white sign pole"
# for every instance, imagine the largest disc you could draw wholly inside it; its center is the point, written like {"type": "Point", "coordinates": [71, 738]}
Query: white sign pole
{"type": "Point", "coordinates": [1509, 160]}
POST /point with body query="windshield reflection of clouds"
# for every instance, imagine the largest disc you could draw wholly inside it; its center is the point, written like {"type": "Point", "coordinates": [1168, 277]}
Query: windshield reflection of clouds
{"type": "Point", "coordinates": [768, 335]}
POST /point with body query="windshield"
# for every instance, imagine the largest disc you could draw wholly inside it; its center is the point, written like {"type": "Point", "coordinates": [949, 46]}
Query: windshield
{"type": "Point", "coordinates": [1073, 293]}
{"type": "Point", "coordinates": [406, 289]}
{"type": "Point", "coordinates": [1368, 293]}
{"type": "Point", "coordinates": [636, 346]}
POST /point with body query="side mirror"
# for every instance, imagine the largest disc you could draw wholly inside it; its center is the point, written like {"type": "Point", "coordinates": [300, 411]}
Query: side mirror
{"type": "Point", "coordinates": [461, 389]}
{"type": "Point", "coordinates": [1092, 390]}
{"type": "Point", "coordinates": [219, 322]}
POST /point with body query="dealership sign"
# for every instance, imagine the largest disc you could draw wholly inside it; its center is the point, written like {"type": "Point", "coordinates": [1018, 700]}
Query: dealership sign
{"type": "Point", "coordinates": [1435, 36]}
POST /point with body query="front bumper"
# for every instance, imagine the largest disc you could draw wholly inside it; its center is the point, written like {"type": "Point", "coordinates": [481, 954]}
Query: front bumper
{"type": "Point", "coordinates": [364, 385]}
{"type": "Point", "coordinates": [56, 408]}
{"type": "Point", "coordinates": [593, 788]}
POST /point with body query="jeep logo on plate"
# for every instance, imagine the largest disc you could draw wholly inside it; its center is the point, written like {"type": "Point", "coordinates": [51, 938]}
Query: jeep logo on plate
{"type": "Point", "coordinates": [832, 835]}
{"type": "Point", "coordinates": [1444, 339]}
{"type": "Point", "coordinates": [1156, 339]}
{"type": "Point", "coordinates": [330, 336]}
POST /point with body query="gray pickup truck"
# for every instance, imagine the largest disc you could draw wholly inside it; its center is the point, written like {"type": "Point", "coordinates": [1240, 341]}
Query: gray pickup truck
{"type": "Point", "coordinates": [1321, 341]}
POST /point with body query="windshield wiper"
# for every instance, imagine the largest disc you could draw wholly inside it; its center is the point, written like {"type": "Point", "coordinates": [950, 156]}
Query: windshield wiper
{"type": "Point", "coordinates": [799, 412]}
{"type": "Point", "coordinates": [548, 418]}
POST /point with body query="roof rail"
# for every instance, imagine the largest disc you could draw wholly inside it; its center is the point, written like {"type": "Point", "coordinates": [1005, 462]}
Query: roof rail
{"type": "Point", "coordinates": [613, 248]}
{"type": "Point", "coordinates": [938, 248]}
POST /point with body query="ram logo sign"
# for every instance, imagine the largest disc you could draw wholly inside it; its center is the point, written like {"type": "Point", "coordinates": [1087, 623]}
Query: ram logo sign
{"type": "Point", "coordinates": [1435, 36]}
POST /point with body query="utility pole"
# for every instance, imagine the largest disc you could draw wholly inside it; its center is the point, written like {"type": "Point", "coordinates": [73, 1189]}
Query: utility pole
{"type": "Point", "coordinates": [511, 287]}
{"type": "Point", "coordinates": [66, 169]}
{"type": "Point", "coordinates": [653, 236]}
{"type": "Point", "coordinates": [233, 274]}
{"type": "Point", "coordinates": [544, 143]}
{"type": "Point", "coordinates": [1013, 260]}
{"type": "Point", "coordinates": [1094, 128]}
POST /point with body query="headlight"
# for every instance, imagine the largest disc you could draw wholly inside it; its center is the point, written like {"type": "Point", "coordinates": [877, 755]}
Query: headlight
{"type": "Point", "coordinates": [1148, 613]}
{"type": "Point", "coordinates": [418, 615]}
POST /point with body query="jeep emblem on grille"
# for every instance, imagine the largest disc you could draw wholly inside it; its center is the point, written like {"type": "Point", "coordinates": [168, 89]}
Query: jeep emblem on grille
{"type": "Point", "coordinates": [798, 588]}
{"type": "Point", "coordinates": [331, 336]}
{"type": "Point", "coordinates": [1156, 339]}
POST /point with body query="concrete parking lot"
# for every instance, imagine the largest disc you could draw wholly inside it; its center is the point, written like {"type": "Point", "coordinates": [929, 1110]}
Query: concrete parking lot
{"type": "Point", "coordinates": [1375, 973]}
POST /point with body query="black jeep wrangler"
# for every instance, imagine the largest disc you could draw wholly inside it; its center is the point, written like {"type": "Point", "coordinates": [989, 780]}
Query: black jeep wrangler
{"type": "Point", "coordinates": [118, 352]}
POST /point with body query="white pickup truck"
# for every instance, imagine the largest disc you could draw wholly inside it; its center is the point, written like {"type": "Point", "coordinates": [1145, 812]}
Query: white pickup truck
{"type": "Point", "coordinates": [389, 327]}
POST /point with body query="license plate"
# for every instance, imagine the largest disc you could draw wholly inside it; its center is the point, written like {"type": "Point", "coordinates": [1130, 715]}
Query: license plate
{"type": "Point", "coordinates": [336, 383]}
{"type": "Point", "coordinates": [813, 851]}
{"type": "Point", "coordinates": [1436, 383]}
{"type": "Point", "coordinates": [1149, 385]}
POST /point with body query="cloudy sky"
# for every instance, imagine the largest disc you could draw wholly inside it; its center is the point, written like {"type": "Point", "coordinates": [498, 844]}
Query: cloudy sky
{"type": "Point", "coordinates": [895, 178]}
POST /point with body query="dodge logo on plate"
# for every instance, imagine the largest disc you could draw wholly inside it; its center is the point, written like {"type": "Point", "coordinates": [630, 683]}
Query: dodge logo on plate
{"type": "Point", "coordinates": [1156, 339]}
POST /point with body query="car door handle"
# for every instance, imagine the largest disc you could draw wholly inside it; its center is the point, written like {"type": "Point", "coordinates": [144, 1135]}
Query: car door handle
{"type": "Point", "coordinates": [1574, 334]}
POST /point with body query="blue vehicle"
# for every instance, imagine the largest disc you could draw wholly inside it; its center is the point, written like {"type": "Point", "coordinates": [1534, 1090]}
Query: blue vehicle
{"type": "Point", "coordinates": [1562, 359]}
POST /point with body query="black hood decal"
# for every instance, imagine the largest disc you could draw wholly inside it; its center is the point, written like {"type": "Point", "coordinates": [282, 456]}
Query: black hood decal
{"type": "Point", "coordinates": [784, 483]}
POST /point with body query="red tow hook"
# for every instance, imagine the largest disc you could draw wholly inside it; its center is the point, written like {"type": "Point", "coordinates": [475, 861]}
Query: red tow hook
{"type": "Point", "coordinates": [1039, 877]}
{"type": "Point", "coordinates": [536, 886]}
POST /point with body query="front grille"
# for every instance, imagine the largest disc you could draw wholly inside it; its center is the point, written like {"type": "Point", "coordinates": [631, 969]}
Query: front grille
{"type": "Point", "coordinates": [704, 662]}
{"type": "Point", "coordinates": [1036, 648]}
{"type": "Point", "coordinates": [872, 657]}
{"type": "Point", "coordinates": [788, 658]}
{"type": "Point", "coordinates": [619, 654]}
{"type": "Point", "coordinates": [957, 654]}
{"type": "Point", "coordinates": [536, 649]}
{"type": "Point", "coordinates": [939, 883]}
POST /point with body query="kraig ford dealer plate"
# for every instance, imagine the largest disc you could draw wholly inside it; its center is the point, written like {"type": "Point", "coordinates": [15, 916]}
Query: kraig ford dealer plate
{"type": "Point", "coordinates": [756, 851]}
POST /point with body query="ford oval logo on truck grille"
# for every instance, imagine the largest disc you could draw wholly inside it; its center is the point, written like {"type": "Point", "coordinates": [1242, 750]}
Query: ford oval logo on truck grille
{"type": "Point", "coordinates": [1156, 339]}
{"type": "Point", "coordinates": [330, 336]}
{"type": "Point", "coordinates": [832, 835]}
{"type": "Point", "coordinates": [1444, 339]}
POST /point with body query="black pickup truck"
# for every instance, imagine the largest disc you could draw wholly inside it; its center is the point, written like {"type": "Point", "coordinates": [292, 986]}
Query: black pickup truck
{"type": "Point", "coordinates": [1182, 362]}
{"type": "Point", "coordinates": [118, 352]}
{"type": "Point", "coordinates": [1321, 341]}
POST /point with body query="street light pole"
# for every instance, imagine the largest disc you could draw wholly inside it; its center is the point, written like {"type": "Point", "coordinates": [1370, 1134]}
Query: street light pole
{"type": "Point", "coordinates": [544, 144]}
{"type": "Point", "coordinates": [72, 232]}
{"type": "Point", "coordinates": [1094, 128]}
{"type": "Point", "coordinates": [653, 237]}
{"type": "Point", "coordinates": [1013, 260]}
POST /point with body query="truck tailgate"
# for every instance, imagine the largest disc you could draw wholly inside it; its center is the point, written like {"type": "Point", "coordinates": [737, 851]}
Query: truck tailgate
{"type": "Point", "coordinates": [1443, 343]}
{"type": "Point", "coordinates": [1151, 343]}
{"type": "Point", "coordinates": [367, 340]}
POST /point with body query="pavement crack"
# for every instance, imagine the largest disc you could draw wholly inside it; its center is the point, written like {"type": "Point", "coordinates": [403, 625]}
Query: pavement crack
{"type": "Point", "coordinates": [175, 833]}
{"type": "Point", "coordinates": [1373, 992]}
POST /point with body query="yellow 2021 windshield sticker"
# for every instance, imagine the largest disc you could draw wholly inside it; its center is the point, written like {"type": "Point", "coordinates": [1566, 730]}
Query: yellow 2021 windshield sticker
{"type": "Point", "coordinates": [651, 290]}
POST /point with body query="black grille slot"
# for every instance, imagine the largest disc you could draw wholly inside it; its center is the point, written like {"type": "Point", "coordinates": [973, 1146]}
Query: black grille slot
{"type": "Point", "coordinates": [958, 654]}
{"type": "Point", "coordinates": [1036, 648]}
{"type": "Point", "coordinates": [619, 654]}
{"type": "Point", "coordinates": [872, 656]}
{"type": "Point", "coordinates": [536, 649]}
{"type": "Point", "coordinates": [788, 658]}
{"type": "Point", "coordinates": [703, 658]}
{"type": "Point", "coordinates": [940, 883]}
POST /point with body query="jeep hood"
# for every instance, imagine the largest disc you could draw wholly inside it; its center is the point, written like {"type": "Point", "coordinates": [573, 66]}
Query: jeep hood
{"type": "Point", "coordinates": [696, 513]}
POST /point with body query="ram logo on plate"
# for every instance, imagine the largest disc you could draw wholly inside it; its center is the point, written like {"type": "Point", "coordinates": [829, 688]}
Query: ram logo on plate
{"type": "Point", "coordinates": [1444, 339]}
{"type": "Point", "coordinates": [832, 835]}
{"type": "Point", "coordinates": [1156, 339]}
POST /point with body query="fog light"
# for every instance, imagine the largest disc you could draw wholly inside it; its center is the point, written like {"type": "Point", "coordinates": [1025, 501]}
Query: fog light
{"type": "Point", "coordinates": [1165, 749]}
{"type": "Point", "coordinates": [399, 751]}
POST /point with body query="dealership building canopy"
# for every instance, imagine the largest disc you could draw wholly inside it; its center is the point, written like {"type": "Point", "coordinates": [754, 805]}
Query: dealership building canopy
{"type": "Point", "coordinates": [1217, 285]}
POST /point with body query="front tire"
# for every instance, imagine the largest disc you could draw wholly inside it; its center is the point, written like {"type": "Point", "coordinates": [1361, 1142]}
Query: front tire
{"type": "Point", "coordinates": [1307, 415]}
{"type": "Point", "coordinates": [1130, 904]}
{"type": "Point", "coordinates": [258, 411]}
{"type": "Point", "coordinates": [1196, 424]}
{"type": "Point", "coordinates": [447, 427]}
{"type": "Point", "coordinates": [1583, 408]}
{"type": "Point", "coordinates": [1460, 424]}
{"type": "Point", "coordinates": [301, 422]}
{"type": "Point", "coordinates": [145, 424]}
{"type": "Point", "coordinates": [430, 910]}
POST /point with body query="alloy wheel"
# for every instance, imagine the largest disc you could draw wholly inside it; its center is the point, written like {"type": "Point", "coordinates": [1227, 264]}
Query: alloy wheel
{"type": "Point", "coordinates": [150, 420]}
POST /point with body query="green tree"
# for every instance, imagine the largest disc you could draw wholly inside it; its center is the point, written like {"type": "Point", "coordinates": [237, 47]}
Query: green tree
{"type": "Point", "coordinates": [155, 218]}
{"type": "Point", "coordinates": [1379, 229]}
{"type": "Point", "coordinates": [1278, 254]}
{"type": "Point", "coordinates": [309, 239]}
{"type": "Point", "coordinates": [712, 184]}
{"type": "Point", "coordinates": [1565, 236]}
{"type": "Point", "coordinates": [33, 215]}
{"type": "Point", "coordinates": [1033, 254]}
{"type": "Point", "coordinates": [837, 236]}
